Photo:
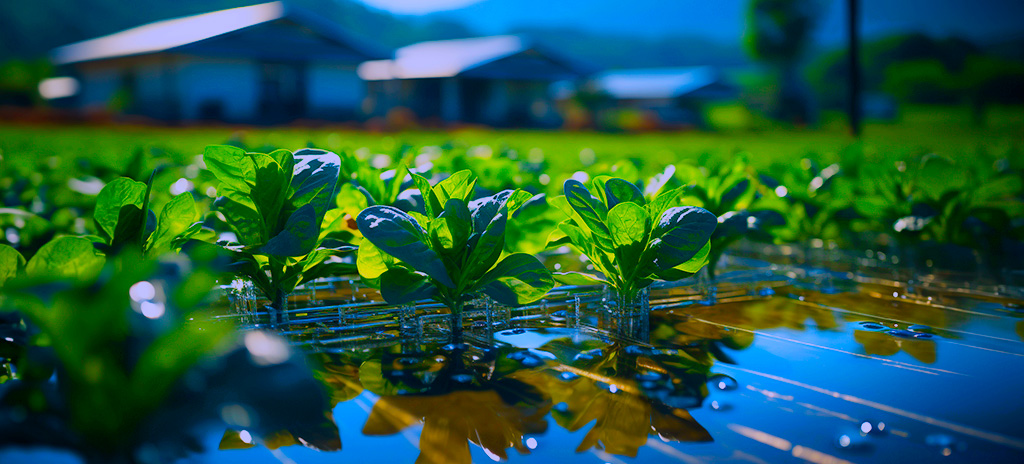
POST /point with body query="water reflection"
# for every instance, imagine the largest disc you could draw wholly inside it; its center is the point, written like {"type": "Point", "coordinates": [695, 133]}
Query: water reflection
{"type": "Point", "coordinates": [713, 382]}
{"type": "Point", "coordinates": [497, 397]}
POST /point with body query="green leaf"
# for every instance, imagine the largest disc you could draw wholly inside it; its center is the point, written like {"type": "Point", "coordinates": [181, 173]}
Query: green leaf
{"type": "Point", "coordinates": [401, 286]}
{"type": "Point", "coordinates": [271, 189]}
{"type": "Point", "coordinates": [66, 258]}
{"type": "Point", "coordinates": [176, 217]}
{"type": "Point", "coordinates": [628, 224]}
{"type": "Point", "coordinates": [557, 238]}
{"type": "Point", "coordinates": [620, 191]}
{"type": "Point", "coordinates": [231, 165]}
{"type": "Point", "coordinates": [577, 278]}
{"type": "Point", "coordinates": [453, 226]}
{"type": "Point", "coordinates": [11, 263]}
{"type": "Point", "coordinates": [397, 234]}
{"type": "Point", "coordinates": [630, 227]}
{"type": "Point", "coordinates": [371, 261]}
{"type": "Point", "coordinates": [396, 184]}
{"type": "Point", "coordinates": [485, 248]}
{"type": "Point", "coordinates": [313, 181]}
{"type": "Point", "coordinates": [680, 234]}
{"type": "Point", "coordinates": [299, 235]}
{"type": "Point", "coordinates": [242, 217]}
{"type": "Point", "coordinates": [518, 279]}
{"type": "Point", "coordinates": [593, 213]}
{"type": "Point", "coordinates": [458, 185]}
{"type": "Point", "coordinates": [285, 160]}
{"type": "Point", "coordinates": [430, 202]}
{"type": "Point", "coordinates": [687, 269]}
{"type": "Point", "coordinates": [115, 202]}
{"type": "Point", "coordinates": [664, 201]}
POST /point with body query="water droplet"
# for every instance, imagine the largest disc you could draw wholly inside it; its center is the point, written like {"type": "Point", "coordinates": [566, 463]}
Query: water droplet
{"type": "Point", "coordinates": [920, 328]}
{"type": "Point", "coordinates": [723, 382]}
{"type": "Point", "coordinates": [900, 333]}
{"type": "Point", "coordinates": [462, 378]}
{"type": "Point", "coordinates": [561, 407]}
{"type": "Point", "coordinates": [924, 336]}
{"type": "Point", "coordinates": [531, 443]}
{"type": "Point", "coordinates": [868, 325]}
{"type": "Point", "coordinates": [567, 376]}
{"type": "Point", "coordinates": [766, 291]}
{"type": "Point", "coordinates": [872, 427]}
{"type": "Point", "coordinates": [584, 356]}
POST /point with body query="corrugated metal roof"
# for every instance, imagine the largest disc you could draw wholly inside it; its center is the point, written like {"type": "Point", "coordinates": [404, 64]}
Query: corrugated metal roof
{"type": "Point", "coordinates": [655, 82]}
{"type": "Point", "coordinates": [174, 33]}
{"type": "Point", "coordinates": [442, 58]}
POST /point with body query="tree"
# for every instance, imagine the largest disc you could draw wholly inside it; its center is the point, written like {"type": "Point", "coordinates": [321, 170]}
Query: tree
{"type": "Point", "coordinates": [780, 31]}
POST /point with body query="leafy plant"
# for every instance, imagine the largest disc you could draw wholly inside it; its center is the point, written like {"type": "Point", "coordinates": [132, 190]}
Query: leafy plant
{"type": "Point", "coordinates": [123, 218]}
{"type": "Point", "coordinates": [275, 204]}
{"type": "Point", "coordinates": [452, 252]}
{"type": "Point", "coordinates": [117, 370]}
{"type": "Point", "coordinates": [364, 187]}
{"type": "Point", "coordinates": [728, 191]}
{"type": "Point", "coordinates": [816, 202]}
{"type": "Point", "coordinates": [72, 258]}
{"type": "Point", "coordinates": [630, 240]}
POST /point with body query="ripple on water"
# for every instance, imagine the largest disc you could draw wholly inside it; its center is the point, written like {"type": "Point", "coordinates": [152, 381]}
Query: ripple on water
{"type": "Point", "coordinates": [869, 325]}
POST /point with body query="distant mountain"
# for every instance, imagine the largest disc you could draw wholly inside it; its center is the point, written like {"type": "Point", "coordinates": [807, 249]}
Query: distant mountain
{"type": "Point", "coordinates": [623, 51]}
{"type": "Point", "coordinates": [715, 20]}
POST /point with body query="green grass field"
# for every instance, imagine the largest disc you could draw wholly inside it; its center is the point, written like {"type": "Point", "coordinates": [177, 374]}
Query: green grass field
{"type": "Point", "coordinates": [943, 130]}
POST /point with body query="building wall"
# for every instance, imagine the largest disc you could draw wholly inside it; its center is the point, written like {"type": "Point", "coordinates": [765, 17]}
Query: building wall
{"type": "Point", "coordinates": [98, 86]}
{"type": "Point", "coordinates": [334, 91]}
{"type": "Point", "coordinates": [217, 88]}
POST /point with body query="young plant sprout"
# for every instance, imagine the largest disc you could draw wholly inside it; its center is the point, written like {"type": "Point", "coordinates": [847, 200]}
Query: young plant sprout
{"type": "Point", "coordinates": [630, 240]}
{"type": "Point", "coordinates": [451, 253]}
{"type": "Point", "coordinates": [275, 204]}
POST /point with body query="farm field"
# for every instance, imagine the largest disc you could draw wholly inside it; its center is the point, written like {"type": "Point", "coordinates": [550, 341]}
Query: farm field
{"type": "Point", "coordinates": [946, 130]}
{"type": "Point", "coordinates": [226, 294]}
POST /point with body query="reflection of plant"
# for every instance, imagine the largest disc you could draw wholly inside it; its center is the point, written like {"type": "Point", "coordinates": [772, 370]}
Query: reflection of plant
{"type": "Point", "coordinates": [457, 401]}
{"type": "Point", "coordinates": [631, 240]}
{"type": "Point", "coordinates": [884, 344]}
{"type": "Point", "coordinates": [451, 252]}
{"type": "Point", "coordinates": [139, 385]}
{"type": "Point", "coordinates": [275, 205]}
{"type": "Point", "coordinates": [613, 387]}
{"type": "Point", "coordinates": [453, 420]}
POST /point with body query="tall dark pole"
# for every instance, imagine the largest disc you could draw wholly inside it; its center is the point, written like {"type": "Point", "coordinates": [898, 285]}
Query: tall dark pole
{"type": "Point", "coordinates": [853, 55]}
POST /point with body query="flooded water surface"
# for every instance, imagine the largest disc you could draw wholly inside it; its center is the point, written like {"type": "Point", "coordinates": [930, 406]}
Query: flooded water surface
{"type": "Point", "coordinates": [770, 371]}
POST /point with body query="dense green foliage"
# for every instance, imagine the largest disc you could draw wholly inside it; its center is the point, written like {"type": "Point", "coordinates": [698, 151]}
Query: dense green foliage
{"type": "Point", "coordinates": [275, 205]}
{"type": "Point", "coordinates": [630, 239]}
{"type": "Point", "coordinates": [453, 251]}
{"type": "Point", "coordinates": [448, 222]}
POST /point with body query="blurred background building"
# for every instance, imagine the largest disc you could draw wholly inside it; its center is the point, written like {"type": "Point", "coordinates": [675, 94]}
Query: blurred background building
{"type": "Point", "coordinates": [505, 63]}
